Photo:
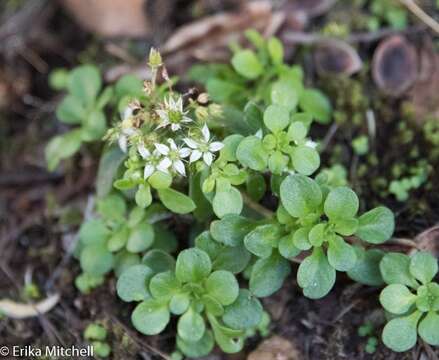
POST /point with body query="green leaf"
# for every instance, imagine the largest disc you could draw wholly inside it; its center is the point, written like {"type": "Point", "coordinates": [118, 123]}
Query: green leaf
{"type": "Point", "coordinates": [231, 229]}
{"type": "Point", "coordinates": [276, 50]}
{"type": "Point", "coordinates": [164, 239]}
{"type": "Point", "coordinates": [191, 326]}
{"type": "Point", "coordinates": [268, 275]}
{"type": "Point", "coordinates": [179, 303]}
{"type": "Point", "coordinates": [229, 340]}
{"type": "Point", "coordinates": [132, 283]}
{"type": "Point", "coordinates": [276, 118]}
{"type": "Point", "coordinates": [193, 265]}
{"type": "Point", "coordinates": [108, 166]}
{"type": "Point", "coordinates": [277, 162]}
{"type": "Point", "coordinates": [251, 153]}
{"type": "Point", "coordinates": [253, 116]}
{"type": "Point", "coordinates": [400, 334]}
{"type": "Point", "coordinates": [300, 195]}
{"type": "Point", "coordinates": [231, 143]}
{"type": "Point", "coordinates": [423, 266]}
{"type": "Point", "coordinates": [196, 349]}
{"type": "Point", "coordinates": [203, 210]}
{"type": "Point", "coordinates": [94, 126]}
{"type": "Point", "coordinates": [315, 275]}
{"type": "Point", "coordinates": [128, 84]}
{"type": "Point", "coordinates": [429, 329]}
{"type": "Point", "coordinates": [340, 203]}
{"type": "Point", "coordinates": [61, 147]}
{"type": "Point", "coordinates": [141, 238]}
{"type": "Point", "coordinates": [234, 259]}
{"type": "Point", "coordinates": [262, 240]}
{"type": "Point", "coordinates": [346, 227]}
{"type": "Point", "coordinates": [96, 259]}
{"type": "Point", "coordinates": [341, 255]}
{"type": "Point", "coordinates": [223, 286]}
{"type": "Point", "coordinates": [213, 306]}
{"type": "Point", "coordinates": [160, 180]}
{"type": "Point", "coordinates": [247, 64]}
{"type": "Point", "coordinates": [93, 232]}
{"type": "Point", "coordinates": [118, 240]}
{"type": "Point", "coordinates": [286, 93]}
{"type": "Point", "coordinates": [176, 201]}
{"type": "Point", "coordinates": [397, 299]}
{"type": "Point", "coordinates": [124, 260]}
{"type": "Point", "coordinates": [394, 269]}
{"type": "Point", "coordinates": [256, 186]}
{"type": "Point", "coordinates": [366, 269]}
{"type": "Point", "coordinates": [376, 226]}
{"type": "Point", "coordinates": [315, 103]}
{"type": "Point", "coordinates": [305, 159]}
{"type": "Point", "coordinates": [104, 98]}
{"type": "Point", "coordinates": [164, 286]}
{"type": "Point", "coordinates": [301, 239]}
{"type": "Point", "coordinates": [227, 202]}
{"type": "Point", "coordinates": [317, 234]}
{"type": "Point", "coordinates": [143, 196]}
{"type": "Point", "coordinates": [71, 110]}
{"type": "Point", "coordinates": [84, 83]}
{"type": "Point", "coordinates": [158, 261]}
{"type": "Point", "coordinates": [297, 131]}
{"type": "Point", "coordinates": [244, 313]}
{"type": "Point", "coordinates": [287, 248]}
{"type": "Point", "coordinates": [150, 317]}
{"type": "Point", "coordinates": [112, 207]}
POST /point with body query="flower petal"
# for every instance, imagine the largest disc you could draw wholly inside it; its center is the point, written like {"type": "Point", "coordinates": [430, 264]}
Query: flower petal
{"type": "Point", "coordinates": [148, 171]}
{"type": "Point", "coordinates": [179, 167]}
{"type": "Point", "coordinates": [162, 149]}
{"type": "Point", "coordinates": [184, 152]}
{"type": "Point", "coordinates": [127, 113]}
{"type": "Point", "coordinates": [216, 146]}
{"type": "Point", "coordinates": [186, 119]}
{"type": "Point", "coordinates": [196, 154]}
{"type": "Point", "coordinates": [164, 164]}
{"type": "Point", "coordinates": [206, 133]}
{"type": "Point", "coordinates": [208, 158]}
{"type": "Point", "coordinates": [191, 143]}
{"type": "Point", "coordinates": [172, 144]}
{"type": "Point", "coordinates": [175, 127]}
{"type": "Point", "coordinates": [143, 151]}
{"type": "Point", "coordinates": [123, 143]}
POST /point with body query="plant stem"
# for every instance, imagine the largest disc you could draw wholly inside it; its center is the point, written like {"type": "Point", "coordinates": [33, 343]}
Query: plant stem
{"type": "Point", "coordinates": [262, 210]}
{"type": "Point", "coordinates": [421, 14]}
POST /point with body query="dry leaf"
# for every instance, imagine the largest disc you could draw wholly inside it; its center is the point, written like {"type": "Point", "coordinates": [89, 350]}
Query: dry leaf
{"type": "Point", "coordinates": [275, 348]}
{"type": "Point", "coordinates": [15, 310]}
{"type": "Point", "coordinates": [429, 240]}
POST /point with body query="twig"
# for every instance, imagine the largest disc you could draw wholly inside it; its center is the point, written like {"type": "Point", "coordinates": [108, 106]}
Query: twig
{"type": "Point", "coordinates": [421, 15]}
{"type": "Point", "coordinates": [257, 207]}
{"type": "Point", "coordinates": [16, 310]}
{"type": "Point", "coordinates": [328, 137]}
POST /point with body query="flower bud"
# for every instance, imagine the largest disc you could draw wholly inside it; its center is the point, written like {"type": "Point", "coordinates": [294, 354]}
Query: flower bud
{"type": "Point", "coordinates": [155, 59]}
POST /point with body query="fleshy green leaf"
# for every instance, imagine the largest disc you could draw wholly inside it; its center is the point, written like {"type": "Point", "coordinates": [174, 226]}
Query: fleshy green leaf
{"type": "Point", "coordinates": [150, 317]}
{"type": "Point", "coordinates": [276, 50]}
{"type": "Point", "coordinates": [301, 240]}
{"type": "Point", "coordinates": [108, 166]}
{"type": "Point", "coordinates": [94, 126]}
{"type": "Point", "coordinates": [141, 238]}
{"type": "Point", "coordinates": [93, 232]}
{"type": "Point", "coordinates": [195, 349]}
{"type": "Point", "coordinates": [193, 265]}
{"type": "Point", "coordinates": [132, 284]}
{"type": "Point", "coordinates": [394, 269]}
{"type": "Point", "coordinates": [276, 118]}
{"type": "Point", "coordinates": [251, 153]}
{"type": "Point", "coordinates": [84, 83]}
{"type": "Point", "coordinates": [244, 313]}
{"type": "Point", "coordinates": [143, 196]}
{"type": "Point", "coordinates": [429, 329]}
{"type": "Point", "coordinates": [179, 303]}
{"type": "Point", "coordinates": [366, 269]}
{"type": "Point", "coordinates": [158, 261]}
{"type": "Point", "coordinates": [268, 275]}
{"type": "Point", "coordinates": [262, 239]}
{"type": "Point", "coordinates": [112, 207]}
{"type": "Point", "coordinates": [315, 275]}
{"type": "Point", "coordinates": [341, 255]}
{"type": "Point", "coordinates": [397, 298]}
{"type": "Point", "coordinates": [118, 240]}
{"type": "Point", "coordinates": [305, 159]}
{"type": "Point", "coordinates": [287, 248]}
{"type": "Point", "coordinates": [96, 259]}
{"type": "Point", "coordinates": [191, 326]}
{"type": "Point", "coordinates": [256, 186]}
{"type": "Point", "coordinates": [61, 147]}
{"type": "Point", "coordinates": [423, 266]}
{"type": "Point", "coordinates": [247, 64]}
{"type": "Point", "coordinates": [223, 286]}
{"type": "Point", "coordinates": [227, 202]}
{"type": "Point", "coordinates": [376, 226]}
{"type": "Point", "coordinates": [71, 110]}
{"type": "Point", "coordinates": [315, 103]}
{"type": "Point", "coordinates": [400, 334]}
{"type": "Point", "coordinates": [176, 201]}
{"type": "Point", "coordinates": [164, 286]}
{"type": "Point", "coordinates": [341, 202]}
{"type": "Point", "coordinates": [231, 229]}
{"type": "Point", "coordinates": [300, 195]}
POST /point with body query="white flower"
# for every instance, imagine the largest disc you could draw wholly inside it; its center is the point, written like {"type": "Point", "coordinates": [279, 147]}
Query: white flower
{"type": "Point", "coordinates": [173, 114]}
{"type": "Point", "coordinates": [311, 144]}
{"type": "Point", "coordinates": [203, 147]}
{"type": "Point", "coordinates": [172, 157]}
{"type": "Point", "coordinates": [127, 129]}
{"type": "Point", "coordinates": [153, 160]}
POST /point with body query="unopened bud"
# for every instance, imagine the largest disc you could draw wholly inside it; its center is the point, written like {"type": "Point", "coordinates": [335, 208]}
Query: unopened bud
{"type": "Point", "coordinates": [155, 59]}
{"type": "Point", "coordinates": [203, 98]}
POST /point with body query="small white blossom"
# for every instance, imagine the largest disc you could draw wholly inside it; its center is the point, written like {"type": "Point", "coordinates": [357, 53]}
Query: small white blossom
{"type": "Point", "coordinates": [172, 157]}
{"type": "Point", "coordinates": [153, 159]}
{"type": "Point", "coordinates": [203, 147]}
{"type": "Point", "coordinates": [311, 144]}
{"type": "Point", "coordinates": [173, 114]}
